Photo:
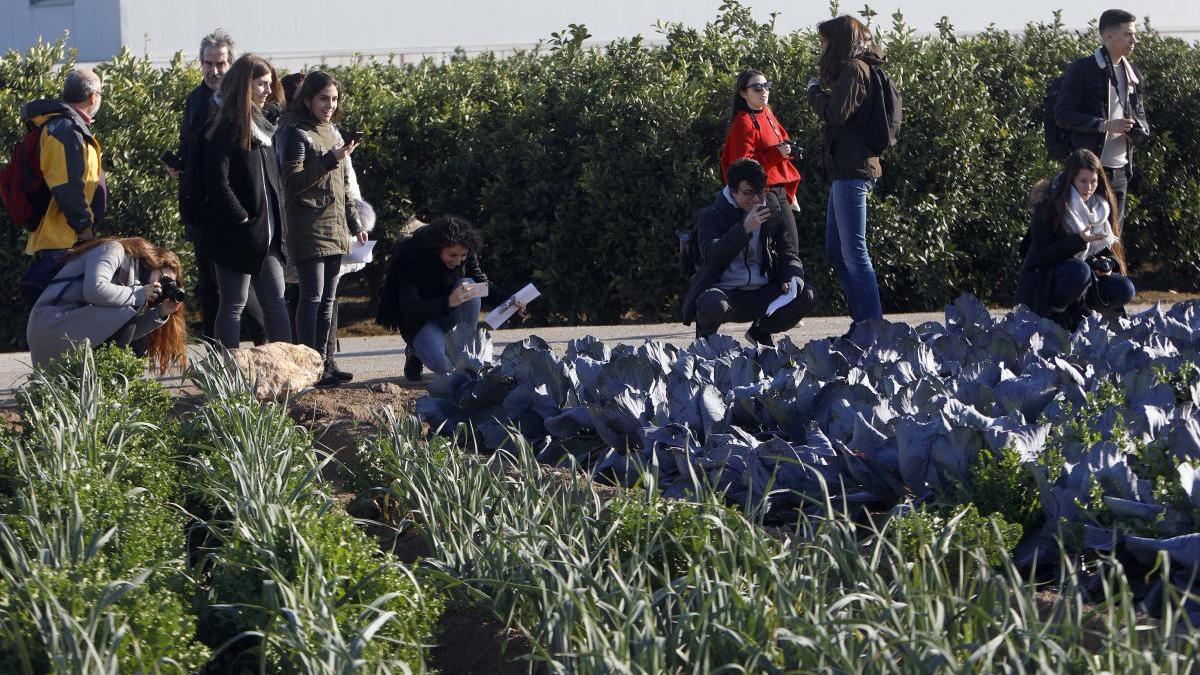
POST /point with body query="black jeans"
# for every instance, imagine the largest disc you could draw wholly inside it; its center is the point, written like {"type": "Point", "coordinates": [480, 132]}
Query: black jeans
{"type": "Point", "coordinates": [208, 296]}
{"type": "Point", "coordinates": [715, 307]}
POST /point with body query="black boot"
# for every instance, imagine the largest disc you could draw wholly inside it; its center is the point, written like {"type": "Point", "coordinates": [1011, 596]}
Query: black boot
{"type": "Point", "coordinates": [337, 373]}
{"type": "Point", "coordinates": [412, 367]}
{"type": "Point", "coordinates": [760, 337]}
{"type": "Point", "coordinates": [328, 379]}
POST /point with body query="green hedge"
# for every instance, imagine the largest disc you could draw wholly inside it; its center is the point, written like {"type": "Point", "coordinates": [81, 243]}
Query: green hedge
{"type": "Point", "coordinates": [580, 164]}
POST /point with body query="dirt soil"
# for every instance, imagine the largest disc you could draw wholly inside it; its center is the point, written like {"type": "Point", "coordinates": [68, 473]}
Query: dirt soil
{"type": "Point", "coordinates": [474, 642]}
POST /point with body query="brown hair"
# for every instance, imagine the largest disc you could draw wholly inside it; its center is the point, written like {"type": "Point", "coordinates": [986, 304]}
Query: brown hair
{"type": "Point", "coordinates": [237, 102]}
{"type": "Point", "coordinates": [1086, 160]}
{"type": "Point", "coordinates": [845, 38]}
{"type": "Point", "coordinates": [167, 344]}
{"type": "Point", "coordinates": [314, 82]}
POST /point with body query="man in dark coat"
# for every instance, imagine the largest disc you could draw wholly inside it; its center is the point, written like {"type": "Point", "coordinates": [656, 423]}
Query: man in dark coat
{"type": "Point", "coordinates": [216, 55]}
{"type": "Point", "coordinates": [1100, 102]}
{"type": "Point", "coordinates": [748, 259]}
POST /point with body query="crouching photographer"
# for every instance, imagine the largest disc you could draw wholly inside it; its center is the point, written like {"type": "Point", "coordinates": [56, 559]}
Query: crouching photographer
{"type": "Point", "coordinates": [112, 291]}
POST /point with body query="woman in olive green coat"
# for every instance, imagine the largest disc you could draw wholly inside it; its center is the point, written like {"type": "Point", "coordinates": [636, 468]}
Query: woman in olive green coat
{"type": "Point", "coordinates": [321, 217]}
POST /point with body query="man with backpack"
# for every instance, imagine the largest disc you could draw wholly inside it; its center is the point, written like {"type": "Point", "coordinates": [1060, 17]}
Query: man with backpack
{"type": "Point", "coordinates": [55, 180]}
{"type": "Point", "coordinates": [1099, 102]}
{"type": "Point", "coordinates": [746, 261]}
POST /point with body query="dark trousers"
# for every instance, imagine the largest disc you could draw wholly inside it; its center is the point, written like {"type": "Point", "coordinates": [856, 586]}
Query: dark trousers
{"type": "Point", "coordinates": [208, 295]}
{"type": "Point", "coordinates": [1075, 287]}
{"type": "Point", "coordinates": [292, 295]}
{"type": "Point", "coordinates": [715, 307]}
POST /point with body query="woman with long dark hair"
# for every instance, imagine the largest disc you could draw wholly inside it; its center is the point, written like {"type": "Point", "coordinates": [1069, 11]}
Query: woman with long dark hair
{"type": "Point", "coordinates": [1075, 260]}
{"type": "Point", "coordinates": [321, 213]}
{"type": "Point", "coordinates": [852, 168]}
{"type": "Point", "coordinates": [244, 226]}
{"type": "Point", "coordinates": [431, 287]}
{"type": "Point", "coordinates": [755, 133]}
{"type": "Point", "coordinates": [111, 291]}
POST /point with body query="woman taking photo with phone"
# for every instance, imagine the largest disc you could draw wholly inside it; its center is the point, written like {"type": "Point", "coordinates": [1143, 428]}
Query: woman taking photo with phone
{"type": "Point", "coordinates": [112, 291]}
{"type": "Point", "coordinates": [435, 283]}
{"type": "Point", "coordinates": [852, 167]}
{"type": "Point", "coordinates": [755, 133]}
{"type": "Point", "coordinates": [243, 222]}
{"type": "Point", "coordinates": [322, 219]}
{"type": "Point", "coordinates": [1075, 260]}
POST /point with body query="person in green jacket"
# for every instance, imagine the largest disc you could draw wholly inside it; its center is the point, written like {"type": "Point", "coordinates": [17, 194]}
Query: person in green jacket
{"type": "Point", "coordinates": [321, 217]}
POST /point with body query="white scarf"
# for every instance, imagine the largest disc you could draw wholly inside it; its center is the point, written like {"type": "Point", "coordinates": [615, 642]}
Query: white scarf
{"type": "Point", "coordinates": [1091, 215]}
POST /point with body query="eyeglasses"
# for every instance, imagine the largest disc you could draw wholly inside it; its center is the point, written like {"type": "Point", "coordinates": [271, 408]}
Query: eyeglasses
{"type": "Point", "coordinates": [760, 87]}
{"type": "Point", "coordinates": [751, 193]}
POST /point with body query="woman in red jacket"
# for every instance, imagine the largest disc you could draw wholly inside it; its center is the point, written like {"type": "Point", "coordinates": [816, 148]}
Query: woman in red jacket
{"type": "Point", "coordinates": [754, 132]}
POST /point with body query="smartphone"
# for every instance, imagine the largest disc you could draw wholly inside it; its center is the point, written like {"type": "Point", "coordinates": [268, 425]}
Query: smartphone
{"type": "Point", "coordinates": [476, 291]}
{"type": "Point", "coordinates": [352, 136]}
{"type": "Point", "coordinates": [171, 160]}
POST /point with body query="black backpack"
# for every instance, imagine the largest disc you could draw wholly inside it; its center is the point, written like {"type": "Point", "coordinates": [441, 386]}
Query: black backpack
{"type": "Point", "coordinates": [882, 112]}
{"type": "Point", "coordinates": [1058, 139]}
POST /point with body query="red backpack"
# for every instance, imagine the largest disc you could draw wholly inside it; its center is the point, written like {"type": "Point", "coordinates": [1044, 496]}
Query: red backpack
{"type": "Point", "coordinates": [22, 186]}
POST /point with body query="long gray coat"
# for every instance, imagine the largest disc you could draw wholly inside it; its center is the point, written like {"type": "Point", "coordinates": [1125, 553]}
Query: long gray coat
{"type": "Point", "coordinates": [108, 296]}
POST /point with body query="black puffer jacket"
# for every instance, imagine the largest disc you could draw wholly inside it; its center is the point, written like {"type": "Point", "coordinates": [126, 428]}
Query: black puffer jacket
{"type": "Point", "coordinates": [721, 237]}
{"type": "Point", "coordinates": [418, 285]}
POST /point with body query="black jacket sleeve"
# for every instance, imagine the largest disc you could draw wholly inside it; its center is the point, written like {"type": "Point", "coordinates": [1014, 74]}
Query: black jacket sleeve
{"type": "Point", "coordinates": [1071, 109]}
{"type": "Point", "coordinates": [718, 245]}
{"type": "Point", "coordinates": [300, 174]}
{"type": "Point", "coordinates": [222, 202]}
{"type": "Point", "coordinates": [1049, 245]}
{"type": "Point", "coordinates": [845, 96]}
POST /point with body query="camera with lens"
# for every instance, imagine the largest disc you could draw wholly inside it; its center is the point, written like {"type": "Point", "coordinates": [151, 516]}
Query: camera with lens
{"type": "Point", "coordinates": [1102, 264]}
{"type": "Point", "coordinates": [171, 290]}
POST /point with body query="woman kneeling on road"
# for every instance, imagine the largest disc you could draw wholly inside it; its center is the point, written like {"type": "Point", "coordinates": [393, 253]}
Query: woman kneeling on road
{"type": "Point", "coordinates": [434, 283]}
{"type": "Point", "coordinates": [1075, 260]}
{"type": "Point", "coordinates": [112, 291]}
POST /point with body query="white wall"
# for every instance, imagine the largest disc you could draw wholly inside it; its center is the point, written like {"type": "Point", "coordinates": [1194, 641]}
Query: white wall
{"type": "Point", "coordinates": [93, 25]}
{"type": "Point", "coordinates": [295, 32]}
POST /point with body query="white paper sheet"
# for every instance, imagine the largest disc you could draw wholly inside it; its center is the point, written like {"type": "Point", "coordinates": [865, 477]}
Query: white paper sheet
{"type": "Point", "coordinates": [785, 298]}
{"type": "Point", "coordinates": [359, 253]}
{"type": "Point", "coordinates": [498, 316]}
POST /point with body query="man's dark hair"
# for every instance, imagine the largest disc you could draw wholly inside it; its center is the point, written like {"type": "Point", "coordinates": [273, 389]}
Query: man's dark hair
{"type": "Point", "coordinates": [746, 170]}
{"type": "Point", "coordinates": [1115, 17]}
{"type": "Point", "coordinates": [449, 230]}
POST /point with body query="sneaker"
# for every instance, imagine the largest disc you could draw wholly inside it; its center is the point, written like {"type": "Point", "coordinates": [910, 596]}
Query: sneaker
{"type": "Point", "coordinates": [339, 374]}
{"type": "Point", "coordinates": [412, 367]}
{"type": "Point", "coordinates": [756, 337]}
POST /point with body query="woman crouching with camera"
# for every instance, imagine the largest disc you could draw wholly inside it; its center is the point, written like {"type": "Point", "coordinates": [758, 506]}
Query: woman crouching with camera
{"type": "Point", "coordinates": [435, 283]}
{"type": "Point", "coordinates": [112, 291]}
{"type": "Point", "coordinates": [1075, 260]}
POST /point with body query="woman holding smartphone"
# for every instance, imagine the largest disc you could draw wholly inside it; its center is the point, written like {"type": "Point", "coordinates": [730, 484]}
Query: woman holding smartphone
{"type": "Point", "coordinates": [322, 219]}
{"type": "Point", "coordinates": [435, 283]}
{"type": "Point", "coordinates": [1075, 260]}
{"type": "Point", "coordinates": [243, 220]}
{"type": "Point", "coordinates": [845, 70]}
{"type": "Point", "coordinates": [755, 133]}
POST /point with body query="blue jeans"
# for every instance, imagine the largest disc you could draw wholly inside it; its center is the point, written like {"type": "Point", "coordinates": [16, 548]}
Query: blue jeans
{"type": "Point", "coordinates": [429, 344]}
{"type": "Point", "coordinates": [846, 245]}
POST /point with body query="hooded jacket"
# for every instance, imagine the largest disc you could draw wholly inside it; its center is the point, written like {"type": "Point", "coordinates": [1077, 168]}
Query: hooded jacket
{"type": "Point", "coordinates": [721, 237]}
{"type": "Point", "coordinates": [846, 153]}
{"type": "Point", "coordinates": [70, 163]}
{"type": "Point", "coordinates": [320, 213]}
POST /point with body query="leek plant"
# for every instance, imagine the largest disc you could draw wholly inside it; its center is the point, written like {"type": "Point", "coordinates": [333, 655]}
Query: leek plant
{"type": "Point", "coordinates": [551, 557]}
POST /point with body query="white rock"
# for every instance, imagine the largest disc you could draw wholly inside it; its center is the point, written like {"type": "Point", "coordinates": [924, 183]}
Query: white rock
{"type": "Point", "coordinates": [279, 369]}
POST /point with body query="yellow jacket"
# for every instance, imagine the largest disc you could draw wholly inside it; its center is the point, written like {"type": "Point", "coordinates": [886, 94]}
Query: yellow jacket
{"type": "Point", "coordinates": [70, 162]}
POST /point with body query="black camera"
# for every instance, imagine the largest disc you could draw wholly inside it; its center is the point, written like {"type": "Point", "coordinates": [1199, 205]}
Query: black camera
{"type": "Point", "coordinates": [797, 152]}
{"type": "Point", "coordinates": [171, 290]}
{"type": "Point", "coordinates": [1102, 264]}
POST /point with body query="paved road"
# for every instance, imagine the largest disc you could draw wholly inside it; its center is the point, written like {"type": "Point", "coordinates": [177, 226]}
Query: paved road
{"type": "Point", "coordinates": [382, 357]}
